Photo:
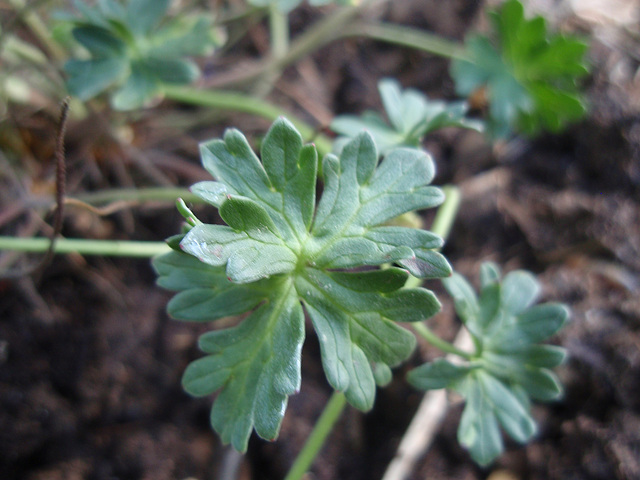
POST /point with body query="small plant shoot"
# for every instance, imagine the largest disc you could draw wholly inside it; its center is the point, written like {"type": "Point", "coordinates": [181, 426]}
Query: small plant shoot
{"type": "Point", "coordinates": [279, 252]}
{"type": "Point", "coordinates": [508, 368]}
{"type": "Point", "coordinates": [134, 50]}
{"type": "Point", "coordinates": [411, 115]}
{"type": "Point", "coordinates": [528, 76]}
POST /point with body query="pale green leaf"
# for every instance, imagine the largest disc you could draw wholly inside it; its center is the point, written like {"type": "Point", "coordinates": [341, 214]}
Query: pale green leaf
{"type": "Point", "coordinates": [278, 252]}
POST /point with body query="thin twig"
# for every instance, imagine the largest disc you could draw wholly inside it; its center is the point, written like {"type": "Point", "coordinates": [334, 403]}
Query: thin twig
{"type": "Point", "coordinates": [425, 424]}
{"type": "Point", "coordinates": [61, 175]}
{"type": "Point", "coordinates": [61, 184]}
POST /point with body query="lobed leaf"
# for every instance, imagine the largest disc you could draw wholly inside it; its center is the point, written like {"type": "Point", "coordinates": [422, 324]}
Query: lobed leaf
{"type": "Point", "coordinates": [257, 366]}
{"type": "Point", "coordinates": [531, 76]}
{"type": "Point", "coordinates": [278, 253]}
{"type": "Point", "coordinates": [129, 51]}
{"type": "Point", "coordinates": [356, 326]}
{"type": "Point", "coordinates": [508, 368]}
{"type": "Point", "coordinates": [412, 116]}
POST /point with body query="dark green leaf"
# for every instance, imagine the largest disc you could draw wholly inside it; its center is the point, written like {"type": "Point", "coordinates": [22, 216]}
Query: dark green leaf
{"type": "Point", "coordinates": [531, 75]}
{"type": "Point", "coordinates": [100, 42]}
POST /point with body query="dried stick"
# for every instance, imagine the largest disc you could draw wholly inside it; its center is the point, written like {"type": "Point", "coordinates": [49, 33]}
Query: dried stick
{"type": "Point", "coordinates": [425, 424]}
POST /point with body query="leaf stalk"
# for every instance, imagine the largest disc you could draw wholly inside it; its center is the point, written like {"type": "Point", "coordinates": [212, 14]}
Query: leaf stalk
{"type": "Point", "coordinates": [228, 100]}
{"type": "Point", "coordinates": [110, 248]}
{"type": "Point", "coordinates": [319, 434]}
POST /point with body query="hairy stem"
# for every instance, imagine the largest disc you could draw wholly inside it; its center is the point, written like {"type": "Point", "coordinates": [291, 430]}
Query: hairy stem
{"type": "Point", "coordinates": [112, 248]}
{"type": "Point", "coordinates": [227, 100]}
{"type": "Point", "coordinates": [316, 440]}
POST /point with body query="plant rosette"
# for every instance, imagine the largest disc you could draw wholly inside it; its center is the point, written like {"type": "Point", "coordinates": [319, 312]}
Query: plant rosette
{"type": "Point", "coordinates": [280, 255]}
{"type": "Point", "coordinates": [528, 76]}
{"type": "Point", "coordinates": [509, 367]}
{"type": "Point", "coordinates": [135, 50]}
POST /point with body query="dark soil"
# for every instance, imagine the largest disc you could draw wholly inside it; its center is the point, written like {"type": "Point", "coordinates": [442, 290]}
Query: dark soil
{"type": "Point", "coordinates": [90, 364]}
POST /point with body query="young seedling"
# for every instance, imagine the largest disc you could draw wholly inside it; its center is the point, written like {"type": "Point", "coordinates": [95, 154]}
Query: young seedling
{"type": "Point", "coordinates": [133, 49]}
{"type": "Point", "coordinates": [412, 116]}
{"type": "Point", "coordinates": [528, 76]}
{"type": "Point", "coordinates": [508, 367]}
{"type": "Point", "coordinates": [280, 252]}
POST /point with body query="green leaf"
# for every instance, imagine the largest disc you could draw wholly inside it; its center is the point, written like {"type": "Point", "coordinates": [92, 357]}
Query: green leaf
{"type": "Point", "coordinates": [186, 35]}
{"type": "Point", "coordinates": [382, 374]}
{"type": "Point", "coordinates": [279, 252]}
{"type": "Point", "coordinates": [139, 90]}
{"type": "Point", "coordinates": [355, 325]}
{"type": "Point", "coordinates": [142, 15]}
{"type": "Point", "coordinates": [532, 326]}
{"type": "Point", "coordinates": [100, 42]}
{"type": "Point", "coordinates": [512, 414]}
{"type": "Point", "coordinates": [257, 366]}
{"type": "Point", "coordinates": [171, 71]}
{"type": "Point", "coordinates": [531, 75]}
{"type": "Point", "coordinates": [358, 196]}
{"type": "Point", "coordinates": [489, 274]}
{"type": "Point", "coordinates": [437, 374]}
{"type": "Point", "coordinates": [412, 116]}
{"type": "Point", "coordinates": [129, 52]}
{"type": "Point", "coordinates": [478, 430]}
{"type": "Point", "coordinates": [87, 78]}
{"type": "Point", "coordinates": [509, 367]}
{"type": "Point", "coordinates": [466, 301]}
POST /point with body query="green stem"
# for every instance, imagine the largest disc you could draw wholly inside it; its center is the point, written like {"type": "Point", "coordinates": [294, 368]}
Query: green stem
{"type": "Point", "coordinates": [279, 30]}
{"type": "Point", "coordinates": [316, 440]}
{"type": "Point", "coordinates": [153, 194]}
{"type": "Point", "coordinates": [447, 212]}
{"type": "Point", "coordinates": [437, 342]}
{"type": "Point", "coordinates": [323, 32]}
{"type": "Point", "coordinates": [228, 100]}
{"type": "Point", "coordinates": [408, 37]}
{"type": "Point", "coordinates": [39, 29]}
{"type": "Point", "coordinates": [112, 248]}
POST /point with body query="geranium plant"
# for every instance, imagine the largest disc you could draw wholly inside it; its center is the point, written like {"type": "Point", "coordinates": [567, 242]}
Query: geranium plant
{"type": "Point", "coordinates": [280, 252]}
{"type": "Point", "coordinates": [528, 77]}
{"type": "Point", "coordinates": [508, 367]}
{"type": "Point", "coordinates": [134, 50]}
